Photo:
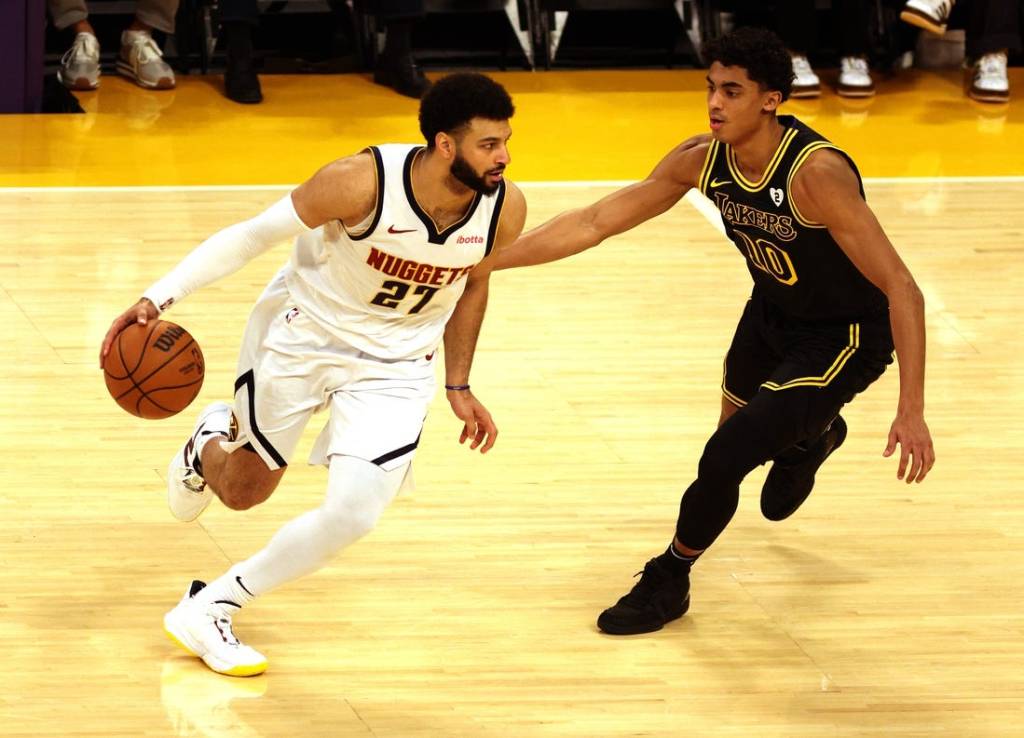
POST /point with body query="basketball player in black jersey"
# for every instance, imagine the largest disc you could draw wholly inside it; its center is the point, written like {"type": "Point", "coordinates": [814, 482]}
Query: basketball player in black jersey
{"type": "Point", "coordinates": [831, 299]}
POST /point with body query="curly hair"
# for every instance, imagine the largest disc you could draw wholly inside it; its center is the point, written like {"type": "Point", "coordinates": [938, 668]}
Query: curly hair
{"type": "Point", "coordinates": [451, 103]}
{"type": "Point", "coordinates": [760, 52]}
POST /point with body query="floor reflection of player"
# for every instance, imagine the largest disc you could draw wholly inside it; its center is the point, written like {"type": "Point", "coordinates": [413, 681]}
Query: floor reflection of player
{"type": "Point", "coordinates": [199, 703]}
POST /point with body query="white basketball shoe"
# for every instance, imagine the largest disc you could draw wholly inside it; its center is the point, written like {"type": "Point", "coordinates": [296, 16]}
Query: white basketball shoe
{"type": "Point", "coordinates": [931, 15]}
{"type": "Point", "coordinates": [204, 630]}
{"type": "Point", "coordinates": [805, 82]}
{"type": "Point", "coordinates": [989, 81]}
{"type": "Point", "coordinates": [187, 493]}
{"type": "Point", "coordinates": [854, 77]}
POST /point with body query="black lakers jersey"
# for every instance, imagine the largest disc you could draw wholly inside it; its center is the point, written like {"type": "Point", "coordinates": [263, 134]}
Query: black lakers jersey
{"type": "Point", "coordinates": [795, 263]}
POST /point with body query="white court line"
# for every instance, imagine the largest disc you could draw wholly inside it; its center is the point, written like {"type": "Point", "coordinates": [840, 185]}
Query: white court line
{"type": "Point", "coordinates": [561, 184]}
{"type": "Point", "coordinates": [867, 180]}
{"type": "Point", "coordinates": [152, 188]}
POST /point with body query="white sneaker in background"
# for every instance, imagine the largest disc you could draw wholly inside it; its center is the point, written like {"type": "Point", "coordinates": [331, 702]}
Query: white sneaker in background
{"type": "Point", "coordinates": [931, 15]}
{"type": "Point", "coordinates": [855, 78]}
{"type": "Point", "coordinates": [80, 65]}
{"type": "Point", "coordinates": [142, 61]}
{"type": "Point", "coordinates": [805, 83]}
{"type": "Point", "coordinates": [989, 82]}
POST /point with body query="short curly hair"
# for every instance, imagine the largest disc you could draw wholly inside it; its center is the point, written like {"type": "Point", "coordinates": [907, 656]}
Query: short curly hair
{"type": "Point", "coordinates": [452, 102]}
{"type": "Point", "coordinates": [759, 51]}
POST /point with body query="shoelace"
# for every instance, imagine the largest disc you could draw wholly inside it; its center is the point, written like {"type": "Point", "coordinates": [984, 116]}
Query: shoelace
{"type": "Point", "coordinates": [644, 589]}
{"type": "Point", "coordinates": [855, 64]}
{"type": "Point", "coordinates": [147, 49]}
{"type": "Point", "coordinates": [194, 482]}
{"type": "Point", "coordinates": [992, 65]}
{"type": "Point", "coordinates": [223, 624]}
{"type": "Point", "coordinates": [801, 66]}
{"type": "Point", "coordinates": [84, 45]}
{"type": "Point", "coordinates": [944, 9]}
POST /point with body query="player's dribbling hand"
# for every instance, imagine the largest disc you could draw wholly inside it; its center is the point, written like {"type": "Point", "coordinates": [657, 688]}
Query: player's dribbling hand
{"type": "Point", "coordinates": [911, 433]}
{"type": "Point", "coordinates": [479, 427]}
{"type": "Point", "coordinates": [141, 312]}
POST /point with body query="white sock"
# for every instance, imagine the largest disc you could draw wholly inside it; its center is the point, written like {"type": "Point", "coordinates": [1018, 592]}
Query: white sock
{"type": "Point", "coordinates": [218, 425]}
{"type": "Point", "coordinates": [357, 494]}
{"type": "Point", "coordinates": [229, 591]}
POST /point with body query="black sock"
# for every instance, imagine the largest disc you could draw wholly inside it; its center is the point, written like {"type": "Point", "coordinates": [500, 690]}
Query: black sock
{"type": "Point", "coordinates": [676, 562]}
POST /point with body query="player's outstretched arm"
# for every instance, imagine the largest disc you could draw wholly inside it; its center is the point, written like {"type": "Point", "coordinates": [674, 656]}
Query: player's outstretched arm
{"type": "Point", "coordinates": [577, 230]}
{"type": "Point", "coordinates": [342, 190]}
{"type": "Point", "coordinates": [463, 329]}
{"type": "Point", "coordinates": [825, 190]}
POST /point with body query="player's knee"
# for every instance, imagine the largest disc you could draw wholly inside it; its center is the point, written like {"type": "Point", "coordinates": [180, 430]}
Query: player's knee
{"type": "Point", "coordinates": [717, 467]}
{"type": "Point", "coordinates": [353, 511]}
{"type": "Point", "coordinates": [357, 495]}
{"type": "Point", "coordinates": [351, 519]}
{"type": "Point", "coordinates": [244, 491]}
{"type": "Point", "coordinates": [239, 497]}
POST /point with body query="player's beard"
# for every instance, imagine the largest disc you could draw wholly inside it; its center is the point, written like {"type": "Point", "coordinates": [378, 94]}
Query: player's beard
{"type": "Point", "coordinates": [463, 172]}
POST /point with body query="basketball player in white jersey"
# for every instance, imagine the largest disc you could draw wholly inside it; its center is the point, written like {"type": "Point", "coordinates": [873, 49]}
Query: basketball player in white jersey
{"type": "Point", "coordinates": [393, 251]}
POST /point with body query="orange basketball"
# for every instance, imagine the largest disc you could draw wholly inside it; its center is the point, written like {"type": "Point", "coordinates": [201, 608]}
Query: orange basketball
{"type": "Point", "coordinates": [154, 370]}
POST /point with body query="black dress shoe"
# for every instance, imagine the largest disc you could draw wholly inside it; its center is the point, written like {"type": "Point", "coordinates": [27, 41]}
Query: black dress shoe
{"type": "Point", "coordinates": [241, 83]}
{"type": "Point", "coordinates": [401, 75]}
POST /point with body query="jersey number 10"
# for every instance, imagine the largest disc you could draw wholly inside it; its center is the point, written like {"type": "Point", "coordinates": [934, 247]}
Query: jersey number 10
{"type": "Point", "coordinates": [769, 258]}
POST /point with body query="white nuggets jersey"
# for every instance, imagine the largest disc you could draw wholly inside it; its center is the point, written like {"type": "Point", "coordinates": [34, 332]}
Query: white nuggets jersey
{"type": "Point", "coordinates": [388, 289]}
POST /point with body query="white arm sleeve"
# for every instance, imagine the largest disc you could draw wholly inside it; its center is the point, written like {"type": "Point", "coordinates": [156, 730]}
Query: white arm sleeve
{"type": "Point", "coordinates": [227, 251]}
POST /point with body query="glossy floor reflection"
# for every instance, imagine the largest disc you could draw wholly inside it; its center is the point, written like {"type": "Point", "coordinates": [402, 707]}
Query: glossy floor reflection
{"type": "Point", "coordinates": [201, 703]}
{"type": "Point", "coordinates": [606, 125]}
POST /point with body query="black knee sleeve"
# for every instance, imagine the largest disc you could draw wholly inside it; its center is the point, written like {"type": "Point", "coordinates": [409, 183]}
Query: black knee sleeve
{"type": "Point", "coordinates": [710, 502]}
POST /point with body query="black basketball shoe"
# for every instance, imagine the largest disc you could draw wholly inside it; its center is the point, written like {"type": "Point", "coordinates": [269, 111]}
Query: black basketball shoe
{"type": "Point", "coordinates": [791, 480]}
{"type": "Point", "coordinates": [660, 597]}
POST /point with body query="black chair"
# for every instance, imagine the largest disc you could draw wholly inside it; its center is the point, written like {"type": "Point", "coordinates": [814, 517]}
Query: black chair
{"type": "Point", "coordinates": [548, 35]}
{"type": "Point", "coordinates": [884, 27]}
{"type": "Point", "coordinates": [518, 12]}
{"type": "Point", "coordinates": [194, 35]}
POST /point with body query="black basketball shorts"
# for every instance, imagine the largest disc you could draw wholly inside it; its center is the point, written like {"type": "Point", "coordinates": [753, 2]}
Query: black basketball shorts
{"type": "Point", "coordinates": [825, 363]}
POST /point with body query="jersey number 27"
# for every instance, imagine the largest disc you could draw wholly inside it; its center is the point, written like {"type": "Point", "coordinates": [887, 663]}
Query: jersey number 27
{"type": "Point", "coordinates": [393, 292]}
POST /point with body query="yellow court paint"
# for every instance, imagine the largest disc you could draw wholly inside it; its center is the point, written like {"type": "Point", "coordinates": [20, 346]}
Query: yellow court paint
{"type": "Point", "coordinates": [582, 125]}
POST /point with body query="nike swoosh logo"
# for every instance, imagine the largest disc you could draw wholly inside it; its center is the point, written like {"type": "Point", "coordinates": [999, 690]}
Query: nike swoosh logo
{"type": "Point", "coordinates": [392, 229]}
{"type": "Point", "coordinates": [716, 183]}
{"type": "Point", "coordinates": [239, 580]}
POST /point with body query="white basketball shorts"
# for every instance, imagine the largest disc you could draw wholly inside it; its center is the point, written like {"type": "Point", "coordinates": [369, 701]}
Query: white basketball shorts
{"type": "Point", "coordinates": [289, 368]}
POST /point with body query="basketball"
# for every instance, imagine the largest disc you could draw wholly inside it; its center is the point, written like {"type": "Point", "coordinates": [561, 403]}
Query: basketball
{"type": "Point", "coordinates": [155, 370]}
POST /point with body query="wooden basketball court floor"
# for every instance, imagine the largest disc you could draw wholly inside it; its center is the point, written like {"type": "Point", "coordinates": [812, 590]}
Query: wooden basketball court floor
{"type": "Point", "coordinates": [878, 610]}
